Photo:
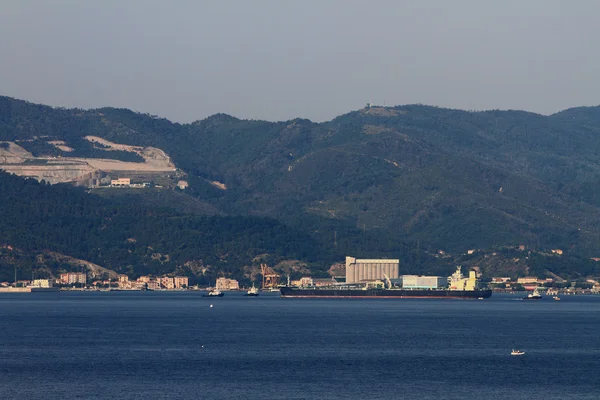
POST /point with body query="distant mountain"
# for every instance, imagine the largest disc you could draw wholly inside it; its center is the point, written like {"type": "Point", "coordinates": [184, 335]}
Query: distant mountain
{"type": "Point", "coordinates": [399, 181]}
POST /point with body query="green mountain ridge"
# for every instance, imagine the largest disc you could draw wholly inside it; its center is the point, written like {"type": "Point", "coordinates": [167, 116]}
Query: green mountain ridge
{"type": "Point", "coordinates": [381, 181]}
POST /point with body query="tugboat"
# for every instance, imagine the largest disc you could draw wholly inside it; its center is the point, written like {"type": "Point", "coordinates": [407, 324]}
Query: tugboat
{"type": "Point", "coordinates": [214, 293]}
{"type": "Point", "coordinates": [533, 296]}
{"type": "Point", "coordinates": [252, 292]}
{"type": "Point", "coordinates": [516, 352]}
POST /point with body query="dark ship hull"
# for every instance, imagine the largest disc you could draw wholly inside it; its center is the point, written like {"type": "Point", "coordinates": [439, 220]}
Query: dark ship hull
{"type": "Point", "coordinates": [350, 293]}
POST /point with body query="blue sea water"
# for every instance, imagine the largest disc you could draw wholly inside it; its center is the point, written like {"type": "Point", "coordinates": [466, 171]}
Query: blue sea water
{"type": "Point", "coordinates": [173, 345]}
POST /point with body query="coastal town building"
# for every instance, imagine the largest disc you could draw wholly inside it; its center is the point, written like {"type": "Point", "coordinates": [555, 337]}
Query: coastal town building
{"type": "Point", "coordinates": [527, 279]}
{"type": "Point", "coordinates": [123, 282]}
{"type": "Point", "coordinates": [305, 281]}
{"type": "Point", "coordinates": [166, 282]}
{"type": "Point", "coordinates": [323, 281]}
{"type": "Point", "coordinates": [42, 283]}
{"type": "Point", "coordinates": [137, 285]}
{"type": "Point", "coordinates": [532, 282]}
{"type": "Point", "coordinates": [181, 282]}
{"type": "Point", "coordinates": [227, 284]}
{"type": "Point", "coordinates": [73, 277]}
{"type": "Point", "coordinates": [153, 285]}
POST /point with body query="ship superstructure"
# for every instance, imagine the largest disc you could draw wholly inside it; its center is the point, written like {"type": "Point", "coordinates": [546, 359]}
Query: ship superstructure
{"type": "Point", "coordinates": [457, 281]}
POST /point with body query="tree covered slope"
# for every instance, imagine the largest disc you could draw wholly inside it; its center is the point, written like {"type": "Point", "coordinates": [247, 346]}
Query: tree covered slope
{"type": "Point", "coordinates": [378, 181]}
{"type": "Point", "coordinates": [135, 239]}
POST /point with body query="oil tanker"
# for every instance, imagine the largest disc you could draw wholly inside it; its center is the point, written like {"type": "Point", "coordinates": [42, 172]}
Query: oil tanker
{"type": "Point", "coordinates": [459, 287]}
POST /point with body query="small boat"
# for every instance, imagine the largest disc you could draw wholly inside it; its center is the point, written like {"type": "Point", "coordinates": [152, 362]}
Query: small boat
{"type": "Point", "coordinates": [533, 296]}
{"type": "Point", "coordinates": [516, 352]}
{"type": "Point", "coordinates": [214, 293]}
{"type": "Point", "coordinates": [252, 292]}
{"type": "Point", "coordinates": [556, 298]}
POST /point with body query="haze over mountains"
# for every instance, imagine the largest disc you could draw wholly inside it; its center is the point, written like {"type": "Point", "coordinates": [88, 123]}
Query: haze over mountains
{"type": "Point", "coordinates": [404, 181]}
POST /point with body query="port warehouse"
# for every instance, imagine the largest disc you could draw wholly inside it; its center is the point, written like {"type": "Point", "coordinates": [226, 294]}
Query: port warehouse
{"type": "Point", "coordinates": [361, 270]}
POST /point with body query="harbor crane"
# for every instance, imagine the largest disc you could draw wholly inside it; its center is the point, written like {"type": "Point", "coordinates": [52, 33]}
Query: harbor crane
{"type": "Point", "coordinates": [270, 277]}
{"type": "Point", "coordinates": [389, 282]}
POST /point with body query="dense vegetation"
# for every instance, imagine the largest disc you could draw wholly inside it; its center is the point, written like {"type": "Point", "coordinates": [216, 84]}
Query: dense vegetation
{"type": "Point", "coordinates": [397, 182]}
{"type": "Point", "coordinates": [134, 239]}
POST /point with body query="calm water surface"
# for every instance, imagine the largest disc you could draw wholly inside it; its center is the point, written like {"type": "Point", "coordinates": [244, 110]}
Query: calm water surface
{"type": "Point", "coordinates": [161, 345]}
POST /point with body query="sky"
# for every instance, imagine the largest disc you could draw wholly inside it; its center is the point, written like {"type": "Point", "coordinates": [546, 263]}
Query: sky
{"type": "Point", "coordinates": [280, 59]}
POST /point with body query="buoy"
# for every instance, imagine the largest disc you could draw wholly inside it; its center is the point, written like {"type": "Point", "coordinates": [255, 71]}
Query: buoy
{"type": "Point", "coordinates": [211, 306]}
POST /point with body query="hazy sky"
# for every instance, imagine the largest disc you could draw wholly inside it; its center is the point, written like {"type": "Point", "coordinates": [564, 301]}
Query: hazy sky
{"type": "Point", "coordinates": [276, 60]}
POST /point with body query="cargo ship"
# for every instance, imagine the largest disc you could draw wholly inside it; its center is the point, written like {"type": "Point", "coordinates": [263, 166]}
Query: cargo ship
{"type": "Point", "coordinates": [458, 287]}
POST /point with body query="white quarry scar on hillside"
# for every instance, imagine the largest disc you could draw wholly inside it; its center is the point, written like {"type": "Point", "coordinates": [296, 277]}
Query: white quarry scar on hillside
{"type": "Point", "coordinates": [15, 159]}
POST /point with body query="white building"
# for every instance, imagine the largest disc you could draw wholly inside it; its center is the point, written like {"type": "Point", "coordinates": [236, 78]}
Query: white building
{"type": "Point", "coordinates": [42, 283]}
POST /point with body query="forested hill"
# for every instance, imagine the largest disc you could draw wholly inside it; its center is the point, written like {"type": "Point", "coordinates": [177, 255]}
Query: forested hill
{"type": "Point", "coordinates": [377, 181]}
{"type": "Point", "coordinates": [131, 238]}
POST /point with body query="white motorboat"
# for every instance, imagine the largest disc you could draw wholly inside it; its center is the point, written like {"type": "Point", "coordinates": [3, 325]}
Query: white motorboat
{"type": "Point", "coordinates": [214, 293]}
